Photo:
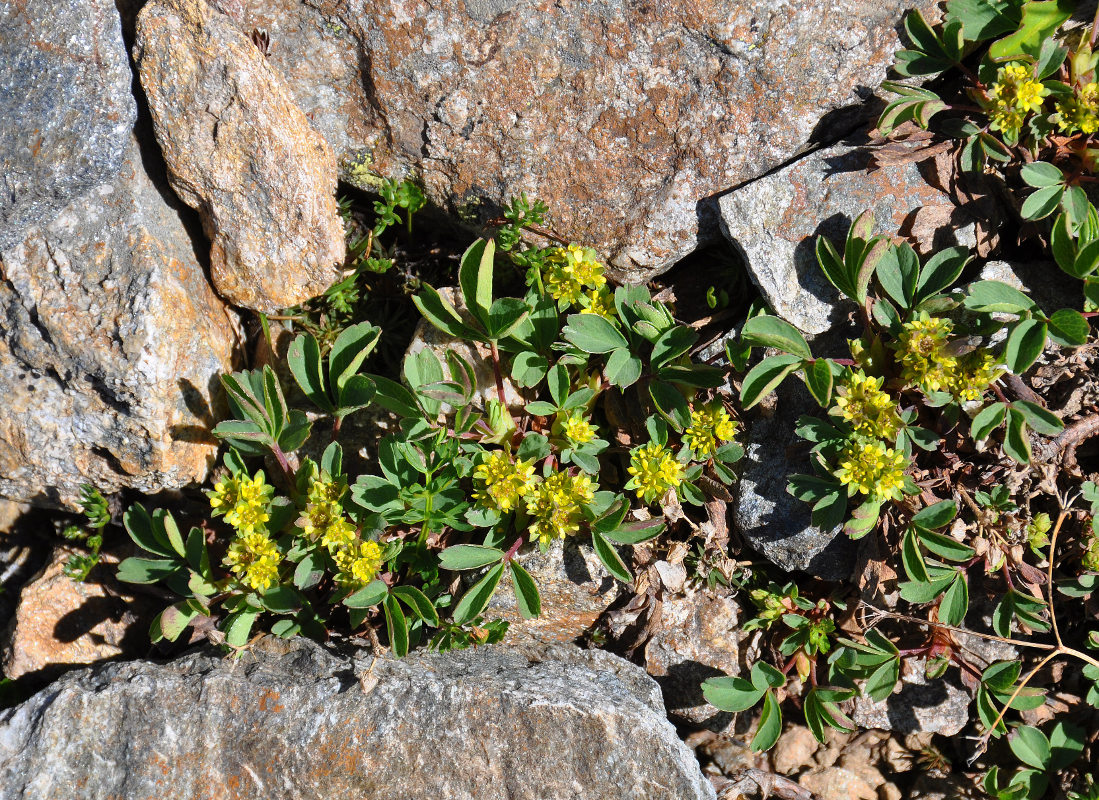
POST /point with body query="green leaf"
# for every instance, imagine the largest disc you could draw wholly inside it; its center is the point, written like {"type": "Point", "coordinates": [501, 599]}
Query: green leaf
{"type": "Point", "coordinates": [920, 592]}
{"type": "Point", "coordinates": [898, 273]}
{"type": "Point", "coordinates": [1075, 203]}
{"type": "Point", "coordinates": [936, 515]}
{"type": "Point", "coordinates": [634, 532]}
{"type": "Point", "coordinates": [304, 360]}
{"type": "Point", "coordinates": [147, 570]}
{"type": "Point", "coordinates": [987, 420]}
{"type": "Point", "coordinates": [1038, 418]}
{"type": "Point", "coordinates": [623, 369]}
{"type": "Point", "coordinates": [1042, 202]}
{"type": "Point", "coordinates": [955, 602]}
{"type": "Point", "coordinates": [370, 595]}
{"type": "Point", "coordinates": [1040, 21]}
{"type": "Point", "coordinates": [764, 676]}
{"type": "Point", "coordinates": [768, 331]}
{"type": "Point", "coordinates": [883, 680]}
{"type": "Point", "coordinates": [1041, 174]}
{"type": "Point", "coordinates": [610, 558]}
{"type": "Point", "coordinates": [418, 602]}
{"type": "Point", "coordinates": [833, 267]}
{"type": "Point", "coordinates": [940, 272]}
{"type": "Point", "coordinates": [593, 334]}
{"type": "Point", "coordinates": [526, 591]}
{"type": "Point", "coordinates": [238, 627]}
{"type": "Point", "coordinates": [818, 379]}
{"type": "Point", "coordinates": [197, 555]}
{"type": "Point", "coordinates": [1031, 747]}
{"type": "Point", "coordinates": [945, 546]}
{"type": "Point", "coordinates": [439, 312]}
{"type": "Point", "coordinates": [396, 626]}
{"type": "Point", "coordinates": [145, 534]}
{"type": "Point", "coordinates": [770, 724]}
{"type": "Point", "coordinates": [474, 601]}
{"type": "Point", "coordinates": [528, 369]}
{"type": "Point", "coordinates": [1024, 344]}
{"type": "Point", "coordinates": [731, 694]}
{"type": "Point", "coordinates": [309, 571]}
{"type": "Point", "coordinates": [671, 404]}
{"type": "Point", "coordinates": [993, 296]}
{"type": "Point", "coordinates": [984, 19]}
{"type": "Point", "coordinates": [281, 599]}
{"type": "Point", "coordinates": [1069, 328]}
{"type": "Point", "coordinates": [173, 621]}
{"type": "Point", "coordinates": [673, 343]}
{"type": "Point", "coordinates": [475, 278]}
{"type": "Point", "coordinates": [505, 316]}
{"type": "Point", "coordinates": [1086, 260]}
{"type": "Point", "coordinates": [1016, 442]}
{"type": "Point", "coordinates": [765, 376]}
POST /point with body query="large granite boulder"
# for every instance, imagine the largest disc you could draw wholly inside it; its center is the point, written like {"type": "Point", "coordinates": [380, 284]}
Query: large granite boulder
{"type": "Point", "coordinates": [627, 118]}
{"type": "Point", "coordinates": [242, 153]}
{"type": "Point", "coordinates": [297, 720]}
{"type": "Point", "coordinates": [65, 107]}
{"type": "Point", "coordinates": [111, 348]}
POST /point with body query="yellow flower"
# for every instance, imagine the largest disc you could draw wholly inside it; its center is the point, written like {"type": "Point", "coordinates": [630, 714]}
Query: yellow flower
{"type": "Point", "coordinates": [872, 469]}
{"type": "Point", "coordinates": [974, 375]}
{"type": "Point", "coordinates": [861, 401]}
{"type": "Point", "coordinates": [224, 496]}
{"type": "Point", "coordinates": [654, 470]}
{"type": "Point", "coordinates": [358, 563]}
{"type": "Point", "coordinates": [922, 355]}
{"type": "Point", "coordinates": [556, 506]}
{"type": "Point", "coordinates": [1080, 112]}
{"type": "Point", "coordinates": [254, 559]}
{"type": "Point", "coordinates": [710, 426]}
{"type": "Point", "coordinates": [252, 508]}
{"type": "Point", "coordinates": [599, 301]}
{"type": "Point", "coordinates": [317, 517]}
{"type": "Point", "coordinates": [325, 491]}
{"type": "Point", "coordinates": [501, 482]}
{"type": "Point", "coordinates": [575, 427]}
{"type": "Point", "coordinates": [570, 270]}
{"type": "Point", "coordinates": [1015, 94]}
{"type": "Point", "coordinates": [339, 533]}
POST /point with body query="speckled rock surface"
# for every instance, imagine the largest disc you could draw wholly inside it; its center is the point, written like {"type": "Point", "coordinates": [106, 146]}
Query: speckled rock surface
{"type": "Point", "coordinates": [576, 589]}
{"type": "Point", "coordinates": [65, 106]}
{"type": "Point", "coordinates": [931, 706]}
{"type": "Point", "coordinates": [624, 117]}
{"type": "Point", "coordinates": [698, 639]}
{"type": "Point", "coordinates": [295, 720]}
{"type": "Point", "coordinates": [242, 153]}
{"type": "Point", "coordinates": [60, 622]}
{"type": "Point", "coordinates": [774, 223]}
{"type": "Point", "coordinates": [111, 348]}
{"type": "Point", "coordinates": [773, 522]}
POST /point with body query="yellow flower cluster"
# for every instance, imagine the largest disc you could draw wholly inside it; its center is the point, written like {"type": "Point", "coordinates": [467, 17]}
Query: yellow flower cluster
{"type": "Point", "coordinates": [323, 518]}
{"type": "Point", "coordinates": [570, 271]}
{"type": "Point", "coordinates": [654, 470]}
{"type": "Point", "coordinates": [1014, 94]}
{"type": "Point", "coordinates": [254, 559]}
{"type": "Point", "coordinates": [245, 502]}
{"type": "Point", "coordinates": [556, 506]}
{"type": "Point", "coordinates": [710, 427]}
{"type": "Point", "coordinates": [872, 469]}
{"type": "Point", "coordinates": [575, 427]}
{"type": "Point", "coordinates": [1080, 112]}
{"type": "Point", "coordinates": [599, 301]}
{"type": "Point", "coordinates": [358, 563]}
{"type": "Point", "coordinates": [870, 411]}
{"type": "Point", "coordinates": [926, 363]}
{"type": "Point", "coordinates": [501, 482]}
{"type": "Point", "coordinates": [922, 355]}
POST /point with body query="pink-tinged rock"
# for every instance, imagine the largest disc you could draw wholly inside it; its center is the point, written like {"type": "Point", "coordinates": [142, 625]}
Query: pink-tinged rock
{"type": "Point", "coordinates": [241, 152]}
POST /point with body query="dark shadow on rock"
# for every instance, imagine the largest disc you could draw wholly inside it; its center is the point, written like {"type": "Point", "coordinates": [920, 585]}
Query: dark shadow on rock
{"type": "Point", "coordinates": [576, 568]}
{"type": "Point", "coordinates": [901, 706]}
{"type": "Point", "coordinates": [682, 689]}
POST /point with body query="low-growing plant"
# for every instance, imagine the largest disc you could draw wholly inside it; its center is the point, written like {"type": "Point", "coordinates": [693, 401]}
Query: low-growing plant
{"type": "Point", "coordinates": [94, 505]}
{"type": "Point", "coordinates": [929, 376]}
{"type": "Point", "coordinates": [606, 423]}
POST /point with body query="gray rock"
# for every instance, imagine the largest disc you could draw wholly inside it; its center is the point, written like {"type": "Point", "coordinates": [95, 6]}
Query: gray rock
{"type": "Point", "coordinates": [111, 349]}
{"type": "Point", "coordinates": [775, 221]}
{"type": "Point", "coordinates": [65, 106]}
{"type": "Point", "coordinates": [298, 720]}
{"type": "Point", "coordinates": [625, 118]}
{"type": "Point", "coordinates": [920, 705]}
{"type": "Point", "coordinates": [771, 520]}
